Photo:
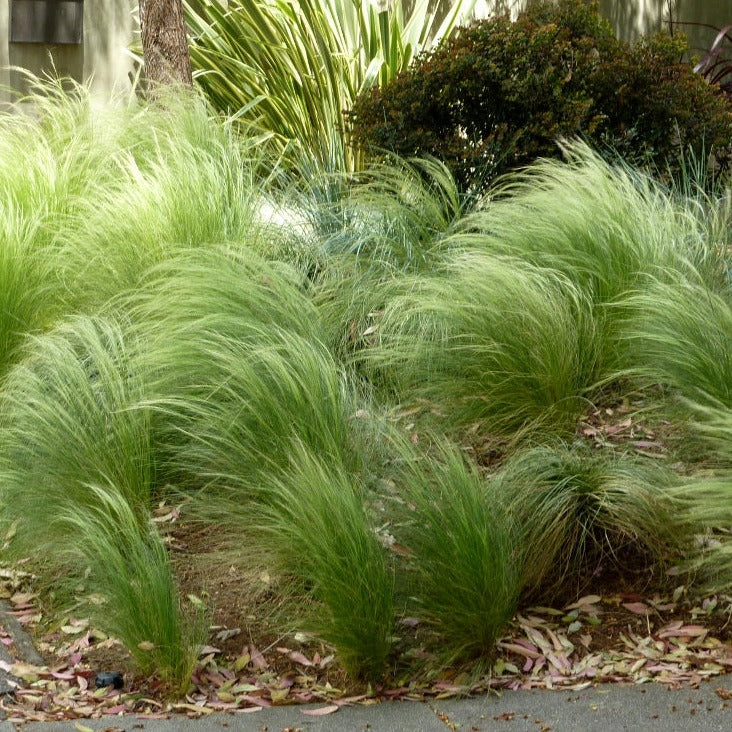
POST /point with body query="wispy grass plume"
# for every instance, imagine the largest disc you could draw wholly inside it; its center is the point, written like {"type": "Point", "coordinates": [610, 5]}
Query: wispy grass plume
{"type": "Point", "coordinates": [312, 519]}
{"type": "Point", "coordinates": [464, 562]}
{"type": "Point", "coordinates": [238, 421]}
{"type": "Point", "coordinates": [235, 370]}
{"type": "Point", "coordinates": [607, 228]}
{"type": "Point", "coordinates": [493, 342]}
{"type": "Point", "coordinates": [94, 193]}
{"type": "Point", "coordinates": [604, 226]}
{"type": "Point", "coordinates": [680, 334]}
{"type": "Point", "coordinates": [129, 571]}
{"type": "Point", "coordinates": [579, 513]}
{"type": "Point", "coordinates": [77, 470]}
{"type": "Point", "coordinates": [395, 220]}
{"type": "Point", "coordinates": [398, 214]}
{"type": "Point", "coordinates": [28, 299]}
{"type": "Point", "coordinates": [187, 182]}
{"type": "Point", "coordinates": [66, 421]}
{"type": "Point", "coordinates": [707, 505]}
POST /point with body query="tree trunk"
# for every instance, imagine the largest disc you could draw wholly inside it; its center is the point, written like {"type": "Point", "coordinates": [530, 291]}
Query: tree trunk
{"type": "Point", "coordinates": [164, 42]}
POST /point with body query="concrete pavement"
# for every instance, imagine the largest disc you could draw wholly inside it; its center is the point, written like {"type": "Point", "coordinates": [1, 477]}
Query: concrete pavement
{"type": "Point", "coordinates": [606, 708]}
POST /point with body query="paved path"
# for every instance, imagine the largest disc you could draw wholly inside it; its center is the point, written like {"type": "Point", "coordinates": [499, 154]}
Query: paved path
{"type": "Point", "coordinates": [604, 709]}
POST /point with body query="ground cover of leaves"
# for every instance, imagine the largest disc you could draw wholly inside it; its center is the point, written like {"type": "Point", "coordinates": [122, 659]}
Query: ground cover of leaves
{"type": "Point", "coordinates": [622, 629]}
{"type": "Point", "coordinates": [608, 638]}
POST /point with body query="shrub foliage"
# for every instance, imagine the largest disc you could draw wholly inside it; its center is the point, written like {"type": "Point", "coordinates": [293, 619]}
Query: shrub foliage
{"type": "Point", "coordinates": [500, 93]}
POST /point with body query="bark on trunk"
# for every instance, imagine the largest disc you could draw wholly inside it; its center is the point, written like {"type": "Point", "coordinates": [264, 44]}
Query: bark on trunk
{"type": "Point", "coordinates": [164, 42]}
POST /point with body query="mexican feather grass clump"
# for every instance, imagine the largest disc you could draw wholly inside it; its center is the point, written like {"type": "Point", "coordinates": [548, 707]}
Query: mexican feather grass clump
{"type": "Point", "coordinates": [492, 341]}
{"type": "Point", "coordinates": [183, 181]}
{"type": "Point", "coordinates": [707, 504]}
{"type": "Point", "coordinates": [159, 341]}
{"type": "Point", "coordinates": [606, 227]}
{"type": "Point", "coordinates": [92, 194]}
{"type": "Point", "coordinates": [609, 229]}
{"type": "Point", "coordinates": [130, 571]}
{"type": "Point", "coordinates": [319, 507]}
{"type": "Point", "coordinates": [681, 333]}
{"type": "Point", "coordinates": [266, 435]}
{"type": "Point", "coordinates": [577, 511]}
{"type": "Point", "coordinates": [28, 301]}
{"type": "Point", "coordinates": [462, 572]}
{"type": "Point", "coordinates": [232, 349]}
{"type": "Point", "coordinates": [395, 221]}
{"type": "Point", "coordinates": [77, 472]}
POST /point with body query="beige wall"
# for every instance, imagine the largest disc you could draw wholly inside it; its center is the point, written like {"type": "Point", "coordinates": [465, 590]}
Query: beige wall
{"type": "Point", "coordinates": [109, 26]}
{"type": "Point", "coordinates": [108, 30]}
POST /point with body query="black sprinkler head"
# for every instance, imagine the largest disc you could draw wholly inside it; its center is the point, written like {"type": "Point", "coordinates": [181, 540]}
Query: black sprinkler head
{"type": "Point", "coordinates": [109, 678]}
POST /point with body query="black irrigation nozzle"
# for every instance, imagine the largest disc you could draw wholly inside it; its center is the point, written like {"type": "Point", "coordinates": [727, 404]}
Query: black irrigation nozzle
{"type": "Point", "coordinates": [109, 678]}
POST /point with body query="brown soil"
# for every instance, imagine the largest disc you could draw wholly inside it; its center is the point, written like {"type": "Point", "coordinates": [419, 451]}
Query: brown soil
{"type": "Point", "coordinates": [633, 606]}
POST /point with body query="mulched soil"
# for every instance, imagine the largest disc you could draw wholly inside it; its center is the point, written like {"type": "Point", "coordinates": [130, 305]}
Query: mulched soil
{"type": "Point", "coordinates": [625, 628]}
{"type": "Point", "coordinates": [599, 638]}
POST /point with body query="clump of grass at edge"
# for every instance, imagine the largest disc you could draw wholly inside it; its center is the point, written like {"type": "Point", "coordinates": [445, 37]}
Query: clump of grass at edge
{"type": "Point", "coordinates": [77, 473]}
{"type": "Point", "coordinates": [463, 569]}
{"type": "Point", "coordinates": [311, 518]}
{"type": "Point", "coordinates": [579, 512]}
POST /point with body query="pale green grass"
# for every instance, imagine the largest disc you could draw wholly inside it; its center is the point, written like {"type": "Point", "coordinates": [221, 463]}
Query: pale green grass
{"type": "Point", "coordinates": [398, 215]}
{"type": "Point", "coordinates": [129, 571]}
{"type": "Point", "coordinates": [714, 424]}
{"type": "Point", "coordinates": [579, 512]}
{"type": "Point", "coordinates": [94, 193]}
{"type": "Point", "coordinates": [249, 401]}
{"type": "Point", "coordinates": [311, 517]}
{"type": "Point", "coordinates": [28, 300]}
{"type": "Point", "coordinates": [235, 370]}
{"type": "Point", "coordinates": [464, 565]}
{"type": "Point", "coordinates": [66, 420]}
{"type": "Point", "coordinates": [680, 334]}
{"type": "Point", "coordinates": [262, 429]}
{"type": "Point", "coordinates": [236, 364]}
{"type": "Point", "coordinates": [708, 509]}
{"type": "Point", "coordinates": [188, 183]}
{"type": "Point", "coordinates": [608, 229]}
{"type": "Point", "coordinates": [51, 159]}
{"type": "Point", "coordinates": [492, 342]}
{"type": "Point", "coordinates": [227, 290]}
{"type": "Point", "coordinates": [77, 473]}
{"type": "Point", "coordinates": [395, 220]}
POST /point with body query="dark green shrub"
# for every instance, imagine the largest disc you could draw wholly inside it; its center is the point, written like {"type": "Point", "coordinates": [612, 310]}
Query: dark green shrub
{"type": "Point", "coordinates": [499, 94]}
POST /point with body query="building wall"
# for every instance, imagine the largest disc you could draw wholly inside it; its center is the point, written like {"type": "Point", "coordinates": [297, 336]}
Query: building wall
{"type": "Point", "coordinates": [102, 57]}
{"type": "Point", "coordinates": [109, 26]}
{"type": "Point", "coordinates": [632, 18]}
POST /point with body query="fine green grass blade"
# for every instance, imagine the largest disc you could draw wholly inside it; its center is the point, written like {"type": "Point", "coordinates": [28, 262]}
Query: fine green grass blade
{"type": "Point", "coordinates": [708, 509]}
{"type": "Point", "coordinates": [579, 512]}
{"type": "Point", "coordinates": [312, 519]}
{"type": "Point", "coordinates": [493, 342]}
{"type": "Point", "coordinates": [130, 571]}
{"type": "Point", "coordinates": [463, 564]}
{"type": "Point", "coordinates": [680, 334]}
{"type": "Point", "coordinates": [77, 473]}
